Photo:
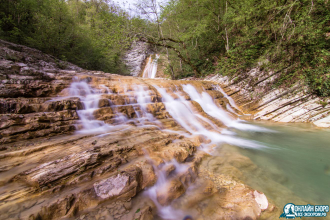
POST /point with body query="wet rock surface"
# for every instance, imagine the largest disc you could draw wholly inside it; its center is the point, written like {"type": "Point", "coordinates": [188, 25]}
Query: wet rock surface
{"type": "Point", "coordinates": [79, 144]}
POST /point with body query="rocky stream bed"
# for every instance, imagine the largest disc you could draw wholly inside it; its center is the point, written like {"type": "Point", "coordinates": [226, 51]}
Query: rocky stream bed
{"type": "Point", "coordinates": [78, 144]}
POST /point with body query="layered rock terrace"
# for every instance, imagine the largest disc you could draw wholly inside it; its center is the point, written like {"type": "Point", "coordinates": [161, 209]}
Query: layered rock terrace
{"type": "Point", "coordinates": [113, 150]}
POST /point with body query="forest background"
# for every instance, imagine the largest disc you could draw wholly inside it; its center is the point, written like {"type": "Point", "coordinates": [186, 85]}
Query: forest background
{"type": "Point", "coordinates": [198, 37]}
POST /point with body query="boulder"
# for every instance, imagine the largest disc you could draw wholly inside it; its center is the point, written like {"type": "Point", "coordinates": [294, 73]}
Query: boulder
{"type": "Point", "coordinates": [144, 214]}
{"type": "Point", "coordinates": [171, 190]}
{"type": "Point", "coordinates": [149, 177]}
{"type": "Point", "coordinates": [111, 187]}
{"type": "Point", "coordinates": [63, 168]}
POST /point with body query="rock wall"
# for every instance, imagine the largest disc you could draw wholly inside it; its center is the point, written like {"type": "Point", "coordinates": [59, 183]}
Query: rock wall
{"type": "Point", "coordinates": [135, 57]}
{"type": "Point", "coordinates": [255, 94]}
{"type": "Point", "coordinates": [29, 79]}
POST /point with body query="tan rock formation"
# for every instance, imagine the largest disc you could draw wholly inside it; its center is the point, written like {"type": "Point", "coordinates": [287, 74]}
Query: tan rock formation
{"type": "Point", "coordinates": [53, 167]}
{"type": "Point", "coordinates": [255, 94]}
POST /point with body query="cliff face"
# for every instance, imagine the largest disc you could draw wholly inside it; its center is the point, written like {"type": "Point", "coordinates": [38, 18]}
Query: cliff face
{"type": "Point", "coordinates": [136, 56]}
{"type": "Point", "coordinates": [255, 94]}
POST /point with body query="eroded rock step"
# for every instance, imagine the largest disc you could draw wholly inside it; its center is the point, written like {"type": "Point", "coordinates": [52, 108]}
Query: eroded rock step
{"type": "Point", "coordinates": [91, 171]}
{"type": "Point", "coordinates": [97, 167]}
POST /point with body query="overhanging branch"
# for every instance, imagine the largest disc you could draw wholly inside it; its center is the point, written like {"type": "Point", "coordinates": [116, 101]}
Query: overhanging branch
{"type": "Point", "coordinates": [187, 61]}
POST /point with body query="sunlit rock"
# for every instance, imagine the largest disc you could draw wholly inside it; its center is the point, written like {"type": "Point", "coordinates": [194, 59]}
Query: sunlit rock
{"type": "Point", "coordinates": [170, 191]}
{"type": "Point", "coordinates": [111, 187]}
{"type": "Point", "coordinates": [261, 199]}
{"type": "Point", "coordinates": [149, 177]}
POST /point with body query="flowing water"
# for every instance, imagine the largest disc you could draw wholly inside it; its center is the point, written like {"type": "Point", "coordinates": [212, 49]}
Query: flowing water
{"type": "Point", "coordinates": [208, 105]}
{"type": "Point", "coordinates": [166, 212]}
{"type": "Point", "coordinates": [150, 69]}
{"type": "Point", "coordinates": [194, 123]}
{"type": "Point", "coordinates": [297, 157]}
{"type": "Point", "coordinates": [90, 100]}
{"type": "Point", "coordinates": [293, 157]}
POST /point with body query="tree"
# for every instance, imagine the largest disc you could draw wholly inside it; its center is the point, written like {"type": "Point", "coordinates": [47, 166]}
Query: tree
{"type": "Point", "coordinates": [92, 34]}
{"type": "Point", "coordinates": [153, 11]}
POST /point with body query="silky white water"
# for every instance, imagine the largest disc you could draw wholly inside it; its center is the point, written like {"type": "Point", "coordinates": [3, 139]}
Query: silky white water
{"type": "Point", "coordinates": [167, 211]}
{"type": "Point", "coordinates": [231, 101]}
{"type": "Point", "coordinates": [208, 105]}
{"type": "Point", "coordinates": [143, 99]}
{"type": "Point", "coordinates": [90, 100]}
{"type": "Point", "coordinates": [150, 69]}
{"type": "Point", "coordinates": [182, 112]}
{"type": "Point", "coordinates": [90, 97]}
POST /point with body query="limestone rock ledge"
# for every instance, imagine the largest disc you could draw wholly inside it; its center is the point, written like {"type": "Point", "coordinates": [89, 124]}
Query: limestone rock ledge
{"type": "Point", "coordinates": [253, 92]}
{"type": "Point", "coordinates": [135, 57]}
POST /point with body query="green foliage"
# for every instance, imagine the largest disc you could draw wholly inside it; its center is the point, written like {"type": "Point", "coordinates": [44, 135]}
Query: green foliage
{"type": "Point", "coordinates": [199, 36]}
{"type": "Point", "coordinates": [235, 36]}
{"type": "Point", "coordinates": [323, 103]}
{"type": "Point", "coordinates": [91, 34]}
{"type": "Point", "coordinates": [319, 81]}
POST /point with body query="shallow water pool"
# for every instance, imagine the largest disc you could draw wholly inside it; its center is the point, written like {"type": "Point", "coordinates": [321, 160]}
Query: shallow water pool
{"type": "Point", "coordinates": [297, 158]}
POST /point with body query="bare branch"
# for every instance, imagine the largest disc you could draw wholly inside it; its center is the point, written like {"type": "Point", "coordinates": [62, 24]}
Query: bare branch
{"type": "Point", "coordinates": [187, 61]}
{"type": "Point", "coordinates": [171, 39]}
{"type": "Point", "coordinates": [311, 7]}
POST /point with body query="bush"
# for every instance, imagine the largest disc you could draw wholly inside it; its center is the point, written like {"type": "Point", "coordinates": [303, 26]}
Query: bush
{"type": "Point", "coordinates": [318, 81]}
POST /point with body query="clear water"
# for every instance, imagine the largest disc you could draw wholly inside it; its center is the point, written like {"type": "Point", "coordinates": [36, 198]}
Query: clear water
{"type": "Point", "coordinates": [297, 157]}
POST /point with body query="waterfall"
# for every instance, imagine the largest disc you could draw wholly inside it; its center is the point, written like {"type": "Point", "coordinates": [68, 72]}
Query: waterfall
{"type": "Point", "coordinates": [180, 109]}
{"type": "Point", "coordinates": [206, 102]}
{"type": "Point", "coordinates": [139, 98]}
{"type": "Point", "coordinates": [231, 101]}
{"type": "Point", "coordinates": [208, 105]}
{"type": "Point", "coordinates": [194, 123]}
{"type": "Point", "coordinates": [167, 211]}
{"type": "Point", "coordinates": [143, 98]}
{"type": "Point", "coordinates": [150, 69]}
{"type": "Point", "coordinates": [90, 100]}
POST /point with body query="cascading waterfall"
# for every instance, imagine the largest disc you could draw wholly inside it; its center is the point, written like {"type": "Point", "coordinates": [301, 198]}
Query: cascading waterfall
{"type": "Point", "coordinates": [208, 105]}
{"type": "Point", "coordinates": [143, 98]}
{"type": "Point", "coordinates": [206, 102]}
{"type": "Point", "coordinates": [231, 101]}
{"type": "Point", "coordinates": [166, 212]}
{"type": "Point", "coordinates": [181, 110]}
{"type": "Point", "coordinates": [229, 108]}
{"type": "Point", "coordinates": [90, 99]}
{"type": "Point", "coordinates": [150, 69]}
